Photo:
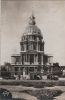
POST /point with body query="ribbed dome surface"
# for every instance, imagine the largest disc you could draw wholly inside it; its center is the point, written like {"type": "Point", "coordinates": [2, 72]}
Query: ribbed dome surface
{"type": "Point", "coordinates": [32, 29]}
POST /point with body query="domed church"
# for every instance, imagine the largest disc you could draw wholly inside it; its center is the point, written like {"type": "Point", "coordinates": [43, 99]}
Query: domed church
{"type": "Point", "coordinates": [31, 60]}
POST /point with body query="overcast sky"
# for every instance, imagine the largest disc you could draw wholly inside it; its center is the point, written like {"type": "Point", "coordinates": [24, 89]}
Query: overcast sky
{"type": "Point", "coordinates": [50, 18]}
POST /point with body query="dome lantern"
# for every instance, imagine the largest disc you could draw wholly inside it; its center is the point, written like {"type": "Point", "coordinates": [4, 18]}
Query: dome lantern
{"type": "Point", "coordinates": [32, 20]}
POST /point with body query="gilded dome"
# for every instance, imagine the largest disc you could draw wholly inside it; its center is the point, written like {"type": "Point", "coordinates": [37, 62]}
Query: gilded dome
{"type": "Point", "coordinates": [32, 29]}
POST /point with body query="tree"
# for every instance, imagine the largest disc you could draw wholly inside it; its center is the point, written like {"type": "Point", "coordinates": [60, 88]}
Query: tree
{"type": "Point", "coordinates": [7, 66]}
{"type": "Point", "coordinates": [57, 69]}
{"type": "Point", "coordinates": [45, 68]}
{"type": "Point", "coordinates": [5, 70]}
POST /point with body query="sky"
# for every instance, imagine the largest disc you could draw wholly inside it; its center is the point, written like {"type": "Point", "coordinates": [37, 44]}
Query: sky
{"type": "Point", "coordinates": [50, 18]}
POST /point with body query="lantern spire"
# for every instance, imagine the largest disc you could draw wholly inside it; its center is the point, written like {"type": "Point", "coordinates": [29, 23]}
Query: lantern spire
{"type": "Point", "coordinates": [32, 20]}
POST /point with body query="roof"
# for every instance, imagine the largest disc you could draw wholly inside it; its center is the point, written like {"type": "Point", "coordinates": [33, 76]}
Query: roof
{"type": "Point", "coordinates": [32, 28]}
{"type": "Point", "coordinates": [48, 55]}
{"type": "Point", "coordinates": [15, 55]}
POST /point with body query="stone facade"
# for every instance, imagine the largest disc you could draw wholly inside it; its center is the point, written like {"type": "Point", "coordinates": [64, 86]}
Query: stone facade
{"type": "Point", "coordinates": [32, 58]}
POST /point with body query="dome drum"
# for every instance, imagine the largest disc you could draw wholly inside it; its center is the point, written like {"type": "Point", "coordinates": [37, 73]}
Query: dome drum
{"type": "Point", "coordinates": [31, 37]}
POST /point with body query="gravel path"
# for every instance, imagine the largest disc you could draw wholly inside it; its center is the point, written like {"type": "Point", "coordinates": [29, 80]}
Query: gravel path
{"type": "Point", "coordinates": [16, 92]}
{"type": "Point", "coordinates": [23, 95]}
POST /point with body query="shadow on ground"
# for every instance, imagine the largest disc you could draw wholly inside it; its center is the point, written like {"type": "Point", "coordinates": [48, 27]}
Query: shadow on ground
{"type": "Point", "coordinates": [39, 99]}
{"type": "Point", "coordinates": [17, 99]}
{"type": "Point", "coordinates": [13, 99]}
